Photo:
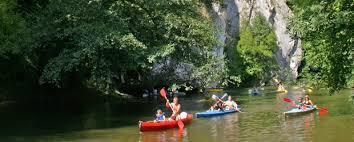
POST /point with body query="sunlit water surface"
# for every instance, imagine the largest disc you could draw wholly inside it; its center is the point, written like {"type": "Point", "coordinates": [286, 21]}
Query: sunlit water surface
{"type": "Point", "coordinates": [262, 120]}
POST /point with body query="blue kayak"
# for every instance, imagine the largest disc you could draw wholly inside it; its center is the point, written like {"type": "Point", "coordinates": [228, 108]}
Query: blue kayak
{"type": "Point", "coordinates": [210, 113]}
{"type": "Point", "coordinates": [297, 111]}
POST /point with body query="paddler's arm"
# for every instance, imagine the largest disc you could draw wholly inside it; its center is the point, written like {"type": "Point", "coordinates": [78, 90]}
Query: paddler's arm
{"type": "Point", "coordinates": [234, 104]}
{"type": "Point", "coordinates": [221, 101]}
{"type": "Point", "coordinates": [311, 102]}
{"type": "Point", "coordinates": [236, 107]}
{"type": "Point", "coordinates": [178, 108]}
{"type": "Point", "coordinates": [168, 104]}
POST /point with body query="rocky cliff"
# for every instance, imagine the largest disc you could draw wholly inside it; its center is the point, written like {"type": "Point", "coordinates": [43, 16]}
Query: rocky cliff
{"type": "Point", "coordinates": [227, 14]}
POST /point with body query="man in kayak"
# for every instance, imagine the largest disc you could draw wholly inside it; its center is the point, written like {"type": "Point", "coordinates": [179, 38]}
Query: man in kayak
{"type": "Point", "coordinates": [175, 107]}
{"type": "Point", "coordinates": [231, 104]}
{"type": "Point", "coordinates": [219, 105]}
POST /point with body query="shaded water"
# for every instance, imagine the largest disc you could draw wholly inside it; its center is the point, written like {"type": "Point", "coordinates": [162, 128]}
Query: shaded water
{"type": "Point", "coordinates": [262, 120]}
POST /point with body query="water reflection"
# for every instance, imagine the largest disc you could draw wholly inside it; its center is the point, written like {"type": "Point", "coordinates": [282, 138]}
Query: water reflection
{"type": "Point", "coordinates": [164, 136]}
{"type": "Point", "coordinates": [224, 126]}
{"type": "Point", "coordinates": [263, 120]}
{"type": "Point", "coordinates": [300, 128]}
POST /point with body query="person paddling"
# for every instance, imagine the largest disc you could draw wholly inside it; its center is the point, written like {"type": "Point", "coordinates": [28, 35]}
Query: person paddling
{"type": "Point", "coordinates": [230, 104]}
{"type": "Point", "coordinates": [281, 87]}
{"type": "Point", "coordinates": [300, 103]}
{"type": "Point", "coordinates": [308, 101]}
{"type": "Point", "coordinates": [175, 107]}
{"type": "Point", "coordinates": [219, 105]}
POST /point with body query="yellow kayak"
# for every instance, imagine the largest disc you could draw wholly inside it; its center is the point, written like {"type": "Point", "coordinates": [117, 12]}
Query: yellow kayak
{"type": "Point", "coordinates": [216, 90]}
{"type": "Point", "coordinates": [282, 91]}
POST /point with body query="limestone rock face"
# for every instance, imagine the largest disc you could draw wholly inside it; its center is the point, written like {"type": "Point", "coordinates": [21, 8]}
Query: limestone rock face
{"type": "Point", "coordinates": [227, 15]}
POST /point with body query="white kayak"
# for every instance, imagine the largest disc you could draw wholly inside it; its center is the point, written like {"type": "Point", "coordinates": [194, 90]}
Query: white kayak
{"type": "Point", "coordinates": [297, 111]}
{"type": "Point", "coordinates": [211, 113]}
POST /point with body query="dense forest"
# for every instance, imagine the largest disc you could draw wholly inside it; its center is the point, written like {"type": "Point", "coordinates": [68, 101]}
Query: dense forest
{"type": "Point", "coordinates": [125, 46]}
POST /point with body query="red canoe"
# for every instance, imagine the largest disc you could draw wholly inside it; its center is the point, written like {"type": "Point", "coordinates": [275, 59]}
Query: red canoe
{"type": "Point", "coordinates": [161, 125]}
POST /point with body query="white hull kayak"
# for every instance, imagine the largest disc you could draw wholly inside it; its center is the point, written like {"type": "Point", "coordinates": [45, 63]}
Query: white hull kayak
{"type": "Point", "coordinates": [297, 111]}
{"type": "Point", "coordinates": [211, 113]}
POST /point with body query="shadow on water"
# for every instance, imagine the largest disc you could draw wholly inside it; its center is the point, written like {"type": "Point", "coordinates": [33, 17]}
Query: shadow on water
{"type": "Point", "coordinates": [23, 120]}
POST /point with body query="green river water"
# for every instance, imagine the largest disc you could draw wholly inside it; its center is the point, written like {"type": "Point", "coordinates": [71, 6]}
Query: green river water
{"type": "Point", "coordinates": [262, 120]}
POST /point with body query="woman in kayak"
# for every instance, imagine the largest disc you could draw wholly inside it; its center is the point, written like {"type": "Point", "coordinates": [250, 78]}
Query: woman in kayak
{"type": "Point", "coordinates": [307, 101]}
{"type": "Point", "coordinates": [175, 107]}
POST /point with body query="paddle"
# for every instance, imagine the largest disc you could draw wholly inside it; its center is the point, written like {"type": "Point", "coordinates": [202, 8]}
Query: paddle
{"type": "Point", "coordinates": [216, 97]}
{"type": "Point", "coordinates": [322, 109]}
{"type": "Point", "coordinates": [164, 95]}
{"type": "Point", "coordinates": [225, 95]}
{"type": "Point", "coordinates": [287, 100]}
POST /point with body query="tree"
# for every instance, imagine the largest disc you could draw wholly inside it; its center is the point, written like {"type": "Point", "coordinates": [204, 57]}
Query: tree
{"type": "Point", "coordinates": [110, 44]}
{"type": "Point", "coordinates": [13, 29]}
{"type": "Point", "coordinates": [256, 48]}
{"type": "Point", "coordinates": [15, 71]}
{"type": "Point", "coordinates": [326, 30]}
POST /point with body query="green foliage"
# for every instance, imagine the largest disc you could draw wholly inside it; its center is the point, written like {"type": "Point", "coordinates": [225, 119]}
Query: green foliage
{"type": "Point", "coordinates": [326, 29]}
{"type": "Point", "coordinates": [208, 3]}
{"type": "Point", "coordinates": [13, 29]}
{"type": "Point", "coordinates": [255, 49]}
{"type": "Point", "coordinates": [214, 73]}
{"type": "Point", "coordinates": [109, 44]}
{"type": "Point", "coordinates": [15, 71]}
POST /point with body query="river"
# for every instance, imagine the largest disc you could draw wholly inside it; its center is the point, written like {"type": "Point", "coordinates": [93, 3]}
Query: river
{"type": "Point", "coordinates": [262, 120]}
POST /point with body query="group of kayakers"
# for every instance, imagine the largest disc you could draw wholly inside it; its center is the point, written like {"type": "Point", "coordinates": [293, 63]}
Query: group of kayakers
{"type": "Point", "coordinates": [227, 105]}
{"type": "Point", "coordinates": [219, 104]}
{"type": "Point", "coordinates": [178, 118]}
{"type": "Point", "coordinates": [177, 113]}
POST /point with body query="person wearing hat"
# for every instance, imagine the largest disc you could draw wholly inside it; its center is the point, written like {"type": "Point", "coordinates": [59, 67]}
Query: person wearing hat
{"type": "Point", "coordinates": [308, 101]}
